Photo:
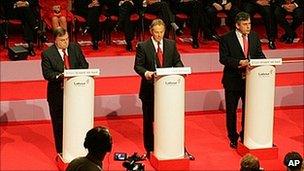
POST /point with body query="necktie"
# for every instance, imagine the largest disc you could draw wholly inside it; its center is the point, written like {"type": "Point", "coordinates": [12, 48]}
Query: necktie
{"type": "Point", "coordinates": [245, 44]}
{"type": "Point", "coordinates": [66, 60]}
{"type": "Point", "coordinates": [159, 54]}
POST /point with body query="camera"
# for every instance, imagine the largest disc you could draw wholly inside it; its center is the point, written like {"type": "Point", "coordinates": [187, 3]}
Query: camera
{"type": "Point", "coordinates": [131, 163]}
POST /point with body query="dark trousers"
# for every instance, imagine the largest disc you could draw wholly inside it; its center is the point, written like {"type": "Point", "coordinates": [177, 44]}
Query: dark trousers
{"type": "Point", "coordinates": [193, 10]}
{"type": "Point", "coordinates": [268, 17]}
{"type": "Point", "coordinates": [163, 11]}
{"type": "Point", "coordinates": [232, 98]}
{"type": "Point", "coordinates": [124, 22]}
{"type": "Point", "coordinates": [297, 19]}
{"type": "Point", "coordinates": [148, 119]}
{"type": "Point", "coordinates": [56, 112]}
{"type": "Point", "coordinates": [29, 22]}
{"type": "Point", "coordinates": [92, 20]}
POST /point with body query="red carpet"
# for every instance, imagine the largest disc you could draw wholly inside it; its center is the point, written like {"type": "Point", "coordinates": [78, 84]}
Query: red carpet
{"type": "Point", "coordinates": [29, 146]}
{"type": "Point", "coordinates": [129, 85]}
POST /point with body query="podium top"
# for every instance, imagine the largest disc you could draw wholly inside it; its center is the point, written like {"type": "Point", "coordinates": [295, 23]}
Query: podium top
{"type": "Point", "coordinates": [173, 71]}
{"type": "Point", "coordinates": [81, 72]}
{"type": "Point", "coordinates": [260, 62]}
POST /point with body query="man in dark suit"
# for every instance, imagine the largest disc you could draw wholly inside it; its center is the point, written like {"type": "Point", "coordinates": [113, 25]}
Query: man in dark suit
{"type": "Point", "coordinates": [296, 9]}
{"type": "Point", "coordinates": [148, 54]}
{"type": "Point", "coordinates": [62, 55]}
{"type": "Point", "coordinates": [236, 48]}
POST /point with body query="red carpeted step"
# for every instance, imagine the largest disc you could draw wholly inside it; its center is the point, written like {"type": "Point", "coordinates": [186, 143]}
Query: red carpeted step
{"type": "Point", "coordinates": [22, 90]}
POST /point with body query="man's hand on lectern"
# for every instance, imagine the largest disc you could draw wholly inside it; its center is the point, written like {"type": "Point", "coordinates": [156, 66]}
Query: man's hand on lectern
{"type": "Point", "coordinates": [149, 75]}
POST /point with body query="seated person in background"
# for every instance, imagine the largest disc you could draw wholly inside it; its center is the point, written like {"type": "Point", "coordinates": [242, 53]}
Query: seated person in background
{"type": "Point", "coordinates": [56, 11]}
{"type": "Point", "coordinates": [250, 162]}
{"type": "Point", "coordinates": [162, 9]}
{"type": "Point", "coordinates": [124, 9]}
{"type": "Point", "coordinates": [265, 9]}
{"type": "Point", "coordinates": [27, 12]}
{"type": "Point", "coordinates": [98, 141]}
{"type": "Point", "coordinates": [296, 9]}
{"type": "Point", "coordinates": [293, 161]}
{"type": "Point", "coordinates": [229, 7]}
{"type": "Point", "coordinates": [90, 10]}
{"type": "Point", "coordinates": [198, 18]}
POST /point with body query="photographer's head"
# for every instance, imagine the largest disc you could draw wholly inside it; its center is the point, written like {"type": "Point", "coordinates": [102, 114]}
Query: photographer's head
{"type": "Point", "coordinates": [98, 140]}
{"type": "Point", "coordinates": [293, 161]}
{"type": "Point", "coordinates": [250, 163]}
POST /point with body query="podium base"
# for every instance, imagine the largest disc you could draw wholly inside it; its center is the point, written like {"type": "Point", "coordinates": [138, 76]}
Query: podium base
{"type": "Point", "coordinates": [172, 164]}
{"type": "Point", "coordinates": [61, 164]}
{"type": "Point", "coordinates": [263, 153]}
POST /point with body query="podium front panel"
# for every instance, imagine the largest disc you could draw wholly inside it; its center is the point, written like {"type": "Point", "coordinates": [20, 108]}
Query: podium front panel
{"type": "Point", "coordinates": [78, 115]}
{"type": "Point", "coordinates": [259, 107]}
{"type": "Point", "coordinates": [169, 107]}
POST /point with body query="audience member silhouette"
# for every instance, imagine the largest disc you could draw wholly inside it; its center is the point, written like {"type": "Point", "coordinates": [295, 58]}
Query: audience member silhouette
{"type": "Point", "coordinates": [98, 141]}
{"type": "Point", "coordinates": [27, 12]}
{"type": "Point", "coordinates": [293, 161]}
{"type": "Point", "coordinates": [250, 162]}
{"type": "Point", "coordinates": [296, 9]}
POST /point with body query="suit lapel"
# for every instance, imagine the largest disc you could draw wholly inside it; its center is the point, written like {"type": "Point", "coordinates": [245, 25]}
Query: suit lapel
{"type": "Point", "coordinates": [165, 52]}
{"type": "Point", "coordinates": [57, 57]}
{"type": "Point", "coordinates": [239, 47]}
{"type": "Point", "coordinates": [152, 51]}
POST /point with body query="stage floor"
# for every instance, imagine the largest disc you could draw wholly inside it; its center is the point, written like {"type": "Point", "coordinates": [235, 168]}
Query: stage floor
{"type": "Point", "coordinates": [29, 145]}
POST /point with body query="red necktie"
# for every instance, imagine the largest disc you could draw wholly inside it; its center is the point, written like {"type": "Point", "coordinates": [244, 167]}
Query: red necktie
{"type": "Point", "coordinates": [245, 44]}
{"type": "Point", "coordinates": [159, 54]}
{"type": "Point", "coordinates": [66, 60]}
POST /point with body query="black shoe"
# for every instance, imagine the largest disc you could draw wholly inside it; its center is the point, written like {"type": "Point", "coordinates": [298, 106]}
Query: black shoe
{"type": "Point", "coordinates": [179, 32]}
{"type": "Point", "coordinates": [30, 49]}
{"type": "Point", "coordinates": [85, 30]}
{"type": "Point", "coordinates": [31, 52]}
{"type": "Point", "coordinates": [216, 37]}
{"type": "Point", "coordinates": [129, 46]}
{"type": "Point", "coordinates": [271, 45]}
{"type": "Point", "coordinates": [43, 38]}
{"type": "Point", "coordinates": [95, 45]}
{"type": "Point", "coordinates": [290, 38]}
{"type": "Point", "coordinates": [233, 144]}
{"type": "Point", "coordinates": [116, 28]}
{"type": "Point", "coordinates": [195, 44]}
{"type": "Point", "coordinates": [284, 38]}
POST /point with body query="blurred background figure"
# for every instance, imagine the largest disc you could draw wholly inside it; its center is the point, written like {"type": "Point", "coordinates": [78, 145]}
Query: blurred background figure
{"type": "Point", "coordinates": [28, 12]}
{"type": "Point", "coordinates": [265, 9]}
{"type": "Point", "coordinates": [294, 8]}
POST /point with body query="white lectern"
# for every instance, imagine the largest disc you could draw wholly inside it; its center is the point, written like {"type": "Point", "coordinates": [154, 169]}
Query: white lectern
{"type": "Point", "coordinates": [169, 111]}
{"type": "Point", "coordinates": [78, 110]}
{"type": "Point", "coordinates": [259, 102]}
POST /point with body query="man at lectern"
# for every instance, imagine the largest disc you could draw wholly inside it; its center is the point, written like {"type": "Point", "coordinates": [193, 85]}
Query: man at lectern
{"type": "Point", "coordinates": [153, 53]}
{"type": "Point", "coordinates": [236, 48]}
{"type": "Point", "coordinates": [62, 55]}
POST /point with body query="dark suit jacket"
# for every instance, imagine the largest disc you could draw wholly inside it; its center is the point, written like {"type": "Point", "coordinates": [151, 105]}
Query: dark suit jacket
{"type": "Point", "coordinates": [146, 60]}
{"type": "Point", "coordinates": [52, 65]}
{"type": "Point", "coordinates": [230, 55]}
